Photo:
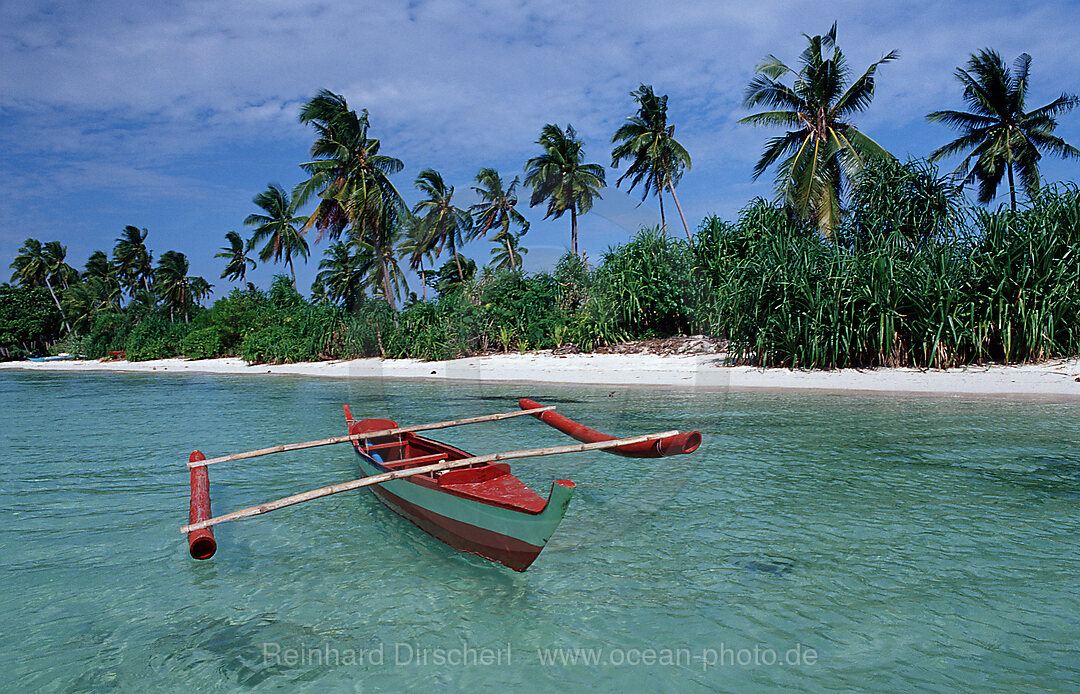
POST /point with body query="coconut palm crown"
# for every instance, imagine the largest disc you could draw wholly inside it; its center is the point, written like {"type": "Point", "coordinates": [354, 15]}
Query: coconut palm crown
{"type": "Point", "coordinates": [648, 143]}
{"type": "Point", "coordinates": [496, 211]}
{"type": "Point", "coordinates": [1000, 137]}
{"type": "Point", "coordinates": [560, 177]}
{"type": "Point", "coordinates": [236, 256]}
{"type": "Point", "coordinates": [347, 172]}
{"type": "Point", "coordinates": [442, 222]}
{"type": "Point", "coordinates": [281, 228]}
{"type": "Point", "coordinates": [821, 149]}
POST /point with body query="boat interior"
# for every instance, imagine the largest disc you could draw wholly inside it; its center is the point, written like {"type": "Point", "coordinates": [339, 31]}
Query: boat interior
{"type": "Point", "coordinates": [487, 482]}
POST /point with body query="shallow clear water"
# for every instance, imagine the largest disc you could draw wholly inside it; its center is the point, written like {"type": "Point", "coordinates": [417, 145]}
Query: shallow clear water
{"type": "Point", "coordinates": [815, 542]}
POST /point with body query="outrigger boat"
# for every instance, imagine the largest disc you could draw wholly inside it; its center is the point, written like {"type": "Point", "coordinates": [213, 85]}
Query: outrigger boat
{"type": "Point", "coordinates": [472, 503]}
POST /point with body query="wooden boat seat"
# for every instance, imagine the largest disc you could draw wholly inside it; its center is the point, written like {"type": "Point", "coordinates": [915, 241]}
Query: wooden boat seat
{"type": "Point", "coordinates": [380, 446]}
{"type": "Point", "coordinates": [415, 462]}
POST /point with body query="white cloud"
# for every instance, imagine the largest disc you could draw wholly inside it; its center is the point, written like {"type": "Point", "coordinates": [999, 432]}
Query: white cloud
{"type": "Point", "coordinates": [132, 98]}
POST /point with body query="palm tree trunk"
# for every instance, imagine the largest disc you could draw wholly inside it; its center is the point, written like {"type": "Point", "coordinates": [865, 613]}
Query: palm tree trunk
{"type": "Point", "coordinates": [292, 271]}
{"type": "Point", "coordinates": [57, 302]}
{"type": "Point", "coordinates": [660, 195]}
{"type": "Point", "coordinates": [423, 281]}
{"type": "Point", "coordinates": [388, 287]}
{"type": "Point", "coordinates": [510, 252]}
{"type": "Point", "coordinates": [573, 229]}
{"type": "Point", "coordinates": [1012, 189]}
{"type": "Point", "coordinates": [457, 261]}
{"type": "Point", "coordinates": [681, 215]}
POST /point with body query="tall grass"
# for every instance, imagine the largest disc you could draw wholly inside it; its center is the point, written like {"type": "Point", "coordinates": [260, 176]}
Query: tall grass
{"type": "Point", "coordinates": [903, 284]}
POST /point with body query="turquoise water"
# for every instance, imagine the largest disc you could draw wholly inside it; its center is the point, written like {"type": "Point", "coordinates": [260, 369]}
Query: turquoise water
{"type": "Point", "coordinates": [814, 543]}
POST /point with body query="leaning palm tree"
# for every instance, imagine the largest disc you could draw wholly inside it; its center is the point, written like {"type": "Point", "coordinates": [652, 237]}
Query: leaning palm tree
{"type": "Point", "coordinates": [495, 211]}
{"type": "Point", "coordinates": [507, 254]}
{"type": "Point", "coordinates": [34, 267]}
{"type": "Point", "coordinates": [55, 260]}
{"type": "Point", "coordinates": [560, 177]}
{"type": "Point", "coordinates": [237, 261]}
{"type": "Point", "coordinates": [346, 165]}
{"type": "Point", "coordinates": [998, 133]}
{"type": "Point", "coordinates": [280, 228]}
{"type": "Point", "coordinates": [440, 219]}
{"type": "Point", "coordinates": [133, 260]}
{"type": "Point", "coordinates": [822, 149]}
{"type": "Point", "coordinates": [656, 158]}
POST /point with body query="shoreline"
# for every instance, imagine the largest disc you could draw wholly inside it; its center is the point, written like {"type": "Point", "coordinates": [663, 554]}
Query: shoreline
{"type": "Point", "coordinates": [695, 372]}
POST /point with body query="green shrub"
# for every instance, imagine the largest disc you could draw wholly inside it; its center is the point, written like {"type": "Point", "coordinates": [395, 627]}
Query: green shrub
{"type": "Point", "coordinates": [277, 344]}
{"type": "Point", "coordinates": [650, 285]}
{"type": "Point", "coordinates": [154, 338]}
{"type": "Point", "coordinates": [202, 343]}
{"type": "Point", "coordinates": [29, 320]}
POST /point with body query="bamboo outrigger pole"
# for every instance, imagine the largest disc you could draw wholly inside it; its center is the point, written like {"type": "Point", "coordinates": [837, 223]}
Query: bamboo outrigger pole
{"type": "Point", "coordinates": [282, 448]}
{"type": "Point", "coordinates": [398, 474]}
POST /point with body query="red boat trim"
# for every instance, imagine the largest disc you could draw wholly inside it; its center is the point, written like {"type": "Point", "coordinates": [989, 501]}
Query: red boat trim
{"type": "Point", "coordinates": [686, 442]}
{"type": "Point", "coordinates": [516, 554]}
{"type": "Point", "coordinates": [530, 506]}
{"type": "Point", "coordinates": [201, 543]}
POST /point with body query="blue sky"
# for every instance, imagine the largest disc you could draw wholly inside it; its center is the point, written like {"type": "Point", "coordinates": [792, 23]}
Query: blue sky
{"type": "Point", "coordinates": [172, 116]}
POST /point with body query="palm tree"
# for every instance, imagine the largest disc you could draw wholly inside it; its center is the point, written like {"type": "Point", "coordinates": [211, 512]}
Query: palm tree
{"type": "Point", "coordinates": [346, 165]}
{"type": "Point", "coordinates": [821, 148]}
{"type": "Point", "coordinates": [377, 249]}
{"type": "Point", "coordinates": [133, 259]}
{"type": "Point", "coordinates": [58, 269]}
{"type": "Point", "coordinates": [439, 218]}
{"type": "Point", "coordinates": [280, 227]}
{"type": "Point", "coordinates": [341, 277]}
{"type": "Point", "coordinates": [507, 254]}
{"type": "Point", "coordinates": [199, 289]}
{"type": "Point", "coordinates": [236, 254]}
{"type": "Point", "coordinates": [998, 133]}
{"type": "Point", "coordinates": [560, 177]}
{"type": "Point", "coordinates": [99, 266]}
{"type": "Point", "coordinates": [496, 210]}
{"type": "Point", "coordinates": [36, 265]}
{"type": "Point", "coordinates": [173, 285]}
{"type": "Point", "coordinates": [418, 247]}
{"type": "Point", "coordinates": [648, 142]}
{"type": "Point", "coordinates": [102, 279]}
{"type": "Point", "coordinates": [352, 181]}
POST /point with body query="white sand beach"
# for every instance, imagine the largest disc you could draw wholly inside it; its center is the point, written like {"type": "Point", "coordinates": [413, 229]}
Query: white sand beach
{"type": "Point", "coordinates": [1055, 378]}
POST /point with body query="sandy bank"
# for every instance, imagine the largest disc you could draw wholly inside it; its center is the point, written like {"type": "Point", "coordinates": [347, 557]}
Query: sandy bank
{"type": "Point", "coordinates": [1058, 378]}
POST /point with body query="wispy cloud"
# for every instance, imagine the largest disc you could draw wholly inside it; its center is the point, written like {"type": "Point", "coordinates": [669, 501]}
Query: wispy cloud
{"type": "Point", "coordinates": [191, 99]}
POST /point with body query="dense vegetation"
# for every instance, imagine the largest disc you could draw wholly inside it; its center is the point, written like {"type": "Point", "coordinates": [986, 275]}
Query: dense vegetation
{"type": "Point", "coordinates": [861, 260]}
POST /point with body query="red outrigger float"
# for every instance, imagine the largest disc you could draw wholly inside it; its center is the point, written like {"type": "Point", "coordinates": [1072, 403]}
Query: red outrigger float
{"type": "Point", "coordinates": [473, 504]}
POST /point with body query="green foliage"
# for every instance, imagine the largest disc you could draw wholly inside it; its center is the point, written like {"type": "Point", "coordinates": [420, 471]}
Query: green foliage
{"type": "Point", "coordinates": [909, 200]}
{"type": "Point", "coordinates": [202, 343]}
{"type": "Point", "coordinates": [446, 279]}
{"type": "Point", "coordinates": [287, 328]}
{"type": "Point", "coordinates": [29, 320]}
{"type": "Point", "coordinates": [155, 338]}
{"type": "Point", "coordinates": [786, 298]}
{"type": "Point", "coordinates": [650, 285]}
